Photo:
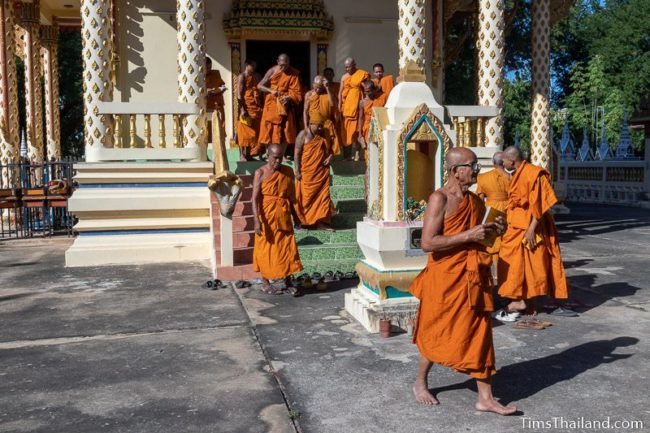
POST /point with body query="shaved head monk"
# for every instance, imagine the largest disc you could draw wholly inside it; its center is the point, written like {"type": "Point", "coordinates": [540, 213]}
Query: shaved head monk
{"type": "Point", "coordinates": [530, 264]}
{"type": "Point", "coordinates": [350, 95]}
{"type": "Point", "coordinates": [281, 87]}
{"type": "Point", "coordinates": [493, 188]}
{"type": "Point", "coordinates": [250, 110]}
{"type": "Point", "coordinates": [384, 83]}
{"type": "Point", "coordinates": [320, 109]}
{"type": "Point", "coordinates": [275, 254]}
{"type": "Point", "coordinates": [370, 100]}
{"type": "Point", "coordinates": [454, 327]}
{"type": "Point", "coordinates": [313, 156]}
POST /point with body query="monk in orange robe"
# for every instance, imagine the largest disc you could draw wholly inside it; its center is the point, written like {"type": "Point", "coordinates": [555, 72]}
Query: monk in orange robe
{"type": "Point", "coordinates": [215, 88]}
{"type": "Point", "coordinates": [370, 100]}
{"type": "Point", "coordinates": [454, 327]}
{"type": "Point", "coordinates": [530, 264]}
{"type": "Point", "coordinates": [281, 85]}
{"type": "Point", "coordinates": [492, 187]}
{"type": "Point", "coordinates": [275, 254]}
{"type": "Point", "coordinates": [313, 156]}
{"type": "Point", "coordinates": [335, 86]}
{"type": "Point", "coordinates": [248, 124]}
{"type": "Point", "coordinates": [320, 108]}
{"type": "Point", "coordinates": [384, 83]}
{"type": "Point", "coordinates": [350, 95]}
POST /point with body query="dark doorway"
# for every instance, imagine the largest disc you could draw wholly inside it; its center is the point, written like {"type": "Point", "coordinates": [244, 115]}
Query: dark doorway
{"type": "Point", "coordinates": [265, 53]}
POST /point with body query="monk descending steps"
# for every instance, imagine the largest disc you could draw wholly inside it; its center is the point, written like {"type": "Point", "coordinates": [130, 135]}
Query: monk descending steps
{"type": "Point", "coordinates": [454, 326]}
{"type": "Point", "coordinates": [248, 124]}
{"type": "Point", "coordinates": [349, 98]}
{"type": "Point", "coordinates": [320, 109]}
{"type": "Point", "coordinates": [384, 83]}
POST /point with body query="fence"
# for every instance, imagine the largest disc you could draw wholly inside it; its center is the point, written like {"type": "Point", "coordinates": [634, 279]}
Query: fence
{"type": "Point", "coordinates": [34, 199]}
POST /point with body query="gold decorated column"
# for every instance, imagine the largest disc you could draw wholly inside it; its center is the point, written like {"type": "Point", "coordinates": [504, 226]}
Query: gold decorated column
{"type": "Point", "coordinates": [98, 85]}
{"type": "Point", "coordinates": [411, 43]}
{"type": "Point", "coordinates": [190, 31]}
{"type": "Point", "coordinates": [9, 127]}
{"type": "Point", "coordinates": [540, 143]}
{"type": "Point", "coordinates": [30, 26]}
{"type": "Point", "coordinates": [50, 44]}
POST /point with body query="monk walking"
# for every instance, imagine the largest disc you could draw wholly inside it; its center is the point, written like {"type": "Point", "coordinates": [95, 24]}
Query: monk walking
{"type": "Point", "coordinates": [492, 187]}
{"type": "Point", "coordinates": [335, 86]}
{"type": "Point", "coordinates": [275, 255]}
{"type": "Point", "coordinates": [320, 108]}
{"type": "Point", "coordinates": [281, 86]}
{"type": "Point", "coordinates": [530, 264]}
{"type": "Point", "coordinates": [370, 100]}
{"type": "Point", "coordinates": [384, 83]}
{"type": "Point", "coordinates": [312, 165]}
{"type": "Point", "coordinates": [215, 88]}
{"type": "Point", "coordinates": [250, 111]}
{"type": "Point", "coordinates": [454, 326]}
{"type": "Point", "coordinates": [350, 95]}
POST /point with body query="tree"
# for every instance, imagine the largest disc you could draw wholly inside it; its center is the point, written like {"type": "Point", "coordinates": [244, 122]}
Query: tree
{"type": "Point", "coordinates": [71, 93]}
{"type": "Point", "coordinates": [517, 106]}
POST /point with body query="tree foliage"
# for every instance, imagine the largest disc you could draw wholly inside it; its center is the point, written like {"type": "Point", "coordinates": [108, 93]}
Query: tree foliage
{"type": "Point", "coordinates": [71, 93]}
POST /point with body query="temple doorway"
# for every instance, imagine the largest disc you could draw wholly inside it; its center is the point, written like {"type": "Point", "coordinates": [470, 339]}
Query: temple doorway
{"type": "Point", "coordinates": [265, 53]}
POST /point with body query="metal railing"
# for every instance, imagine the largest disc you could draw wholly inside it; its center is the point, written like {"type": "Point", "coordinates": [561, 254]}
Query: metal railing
{"type": "Point", "coordinates": [34, 199]}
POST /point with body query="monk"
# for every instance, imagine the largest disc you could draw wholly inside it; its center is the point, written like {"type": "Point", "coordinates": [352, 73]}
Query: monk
{"type": "Point", "coordinates": [529, 264]}
{"type": "Point", "coordinates": [275, 254]}
{"type": "Point", "coordinates": [454, 326]}
{"type": "Point", "coordinates": [370, 100]}
{"type": "Point", "coordinates": [281, 86]}
{"type": "Point", "coordinates": [335, 86]}
{"type": "Point", "coordinates": [215, 88]}
{"type": "Point", "coordinates": [250, 111]}
{"type": "Point", "coordinates": [350, 95]}
{"type": "Point", "coordinates": [313, 156]}
{"type": "Point", "coordinates": [384, 83]}
{"type": "Point", "coordinates": [320, 108]}
{"type": "Point", "coordinates": [492, 187]}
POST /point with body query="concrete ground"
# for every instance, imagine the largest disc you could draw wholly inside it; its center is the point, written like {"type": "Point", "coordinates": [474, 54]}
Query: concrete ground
{"type": "Point", "coordinates": [143, 349]}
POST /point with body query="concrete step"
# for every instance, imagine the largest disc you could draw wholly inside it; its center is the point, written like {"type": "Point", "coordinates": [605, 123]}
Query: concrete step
{"type": "Point", "coordinates": [324, 266]}
{"type": "Point", "coordinates": [347, 192]}
{"type": "Point", "coordinates": [138, 199]}
{"type": "Point", "coordinates": [346, 220]}
{"type": "Point", "coordinates": [322, 237]}
{"type": "Point", "coordinates": [112, 224]}
{"type": "Point", "coordinates": [330, 252]}
{"type": "Point", "coordinates": [355, 205]}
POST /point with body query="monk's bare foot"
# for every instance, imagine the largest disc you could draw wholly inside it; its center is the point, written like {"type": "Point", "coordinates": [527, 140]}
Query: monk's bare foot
{"type": "Point", "coordinates": [516, 306]}
{"type": "Point", "coordinates": [494, 406]}
{"type": "Point", "coordinates": [423, 396]}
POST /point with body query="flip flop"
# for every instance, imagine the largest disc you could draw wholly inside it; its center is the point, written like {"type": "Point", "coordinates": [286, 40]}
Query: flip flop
{"type": "Point", "coordinates": [564, 312]}
{"type": "Point", "coordinates": [329, 276]}
{"type": "Point", "coordinates": [526, 324]}
{"type": "Point", "coordinates": [241, 284]}
{"type": "Point", "coordinates": [293, 291]}
{"type": "Point", "coordinates": [270, 290]}
{"type": "Point", "coordinates": [322, 285]}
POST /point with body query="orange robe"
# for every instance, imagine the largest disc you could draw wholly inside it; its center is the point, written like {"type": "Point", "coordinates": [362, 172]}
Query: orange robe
{"type": "Point", "coordinates": [321, 111]}
{"type": "Point", "coordinates": [525, 274]}
{"type": "Point", "coordinates": [351, 95]}
{"type": "Point", "coordinates": [494, 185]}
{"type": "Point", "coordinates": [247, 134]}
{"type": "Point", "coordinates": [313, 202]}
{"type": "Point", "coordinates": [276, 253]}
{"type": "Point", "coordinates": [278, 123]}
{"type": "Point", "coordinates": [213, 81]}
{"type": "Point", "coordinates": [386, 84]}
{"type": "Point", "coordinates": [367, 115]}
{"type": "Point", "coordinates": [454, 327]}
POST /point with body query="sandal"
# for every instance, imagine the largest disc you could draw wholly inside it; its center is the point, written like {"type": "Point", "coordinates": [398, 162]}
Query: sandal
{"type": "Point", "coordinates": [270, 290]}
{"type": "Point", "coordinates": [528, 324]}
{"type": "Point", "coordinates": [293, 291]}
{"type": "Point", "coordinates": [322, 285]}
{"type": "Point", "coordinates": [329, 276]}
{"type": "Point", "coordinates": [242, 284]}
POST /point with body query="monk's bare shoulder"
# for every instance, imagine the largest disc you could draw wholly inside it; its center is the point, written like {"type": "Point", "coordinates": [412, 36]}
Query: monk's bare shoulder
{"type": "Point", "coordinates": [437, 202]}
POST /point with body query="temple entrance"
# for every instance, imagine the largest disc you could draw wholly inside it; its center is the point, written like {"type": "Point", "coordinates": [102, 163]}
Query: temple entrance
{"type": "Point", "coordinates": [265, 53]}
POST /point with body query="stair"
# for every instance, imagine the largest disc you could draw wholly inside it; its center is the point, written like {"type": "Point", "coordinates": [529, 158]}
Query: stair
{"type": "Point", "coordinates": [320, 250]}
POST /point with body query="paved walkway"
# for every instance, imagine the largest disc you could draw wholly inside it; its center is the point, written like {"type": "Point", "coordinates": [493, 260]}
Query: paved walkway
{"type": "Point", "coordinates": [144, 349]}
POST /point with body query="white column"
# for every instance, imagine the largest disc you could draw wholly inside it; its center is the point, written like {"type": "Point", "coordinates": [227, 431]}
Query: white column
{"type": "Point", "coordinates": [9, 127]}
{"type": "Point", "coordinates": [98, 86]}
{"type": "Point", "coordinates": [540, 143]}
{"type": "Point", "coordinates": [490, 71]}
{"type": "Point", "coordinates": [30, 24]}
{"type": "Point", "coordinates": [190, 30]}
{"type": "Point", "coordinates": [412, 19]}
{"type": "Point", "coordinates": [50, 49]}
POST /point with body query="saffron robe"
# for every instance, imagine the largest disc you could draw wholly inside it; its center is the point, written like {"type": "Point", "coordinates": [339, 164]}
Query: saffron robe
{"type": "Point", "coordinates": [494, 185]}
{"type": "Point", "coordinates": [247, 134]}
{"type": "Point", "coordinates": [369, 104]}
{"type": "Point", "coordinates": [525, 274]}
{"type": "Point", "coordinates": [386, 84]}
{"type": "Point", "coordinates": [454, 327]}
{"type": "Point", "coordinates": [278, 124]}
{"type": "Point", "coordinates": [322, 112]}
{"type": "Point", "coordinates": [351, 95]}
{"type": "Point", "coordinates": [275, 254]}
{"type": "Point", "coordinates": [313, 202]}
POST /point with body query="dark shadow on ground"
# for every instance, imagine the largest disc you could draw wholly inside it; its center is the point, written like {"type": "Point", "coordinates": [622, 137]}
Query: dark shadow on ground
{"type": "Point", "coordinates": [522, 380]}
{"type": "Point", "coordinates": [584, 218]}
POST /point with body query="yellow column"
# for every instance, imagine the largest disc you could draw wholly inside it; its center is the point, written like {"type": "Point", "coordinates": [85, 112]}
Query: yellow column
{"type": "Point", "coordinates": [50, 41]}
{"type": "Point", "coordinates": [9, 129]}
{"type": "Point", "coordinates": [540, 140]}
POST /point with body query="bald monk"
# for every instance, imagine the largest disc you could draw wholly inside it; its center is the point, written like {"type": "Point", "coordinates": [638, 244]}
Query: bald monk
{"type": "Point", "coordinates": [454, 326]}
{"type": "Point", "coordinates": [250, 110]}
{"type": "Point", "coordinates": [313, 156]}
{"type": "Point", "coordinates": [335, 86]}
{"type": "Point", "coordinates": [350, 95]}
{"type": "Point", "coordinates": [370, 100]}
{"type": "Point", "coordinates": [215, 88]}
{"type": "Point", "coordinates": [383, 82]}
{"type": "Point", "coordinates": [320, 108]}
{"type": "Point", "coordinates": [275, 255]}
{"type": "Point", "coordinates": [281, 86]}
{"type": "Point", "coordinates": [492, 187]}
{"type": "Point", "coordinates": [530, 264]}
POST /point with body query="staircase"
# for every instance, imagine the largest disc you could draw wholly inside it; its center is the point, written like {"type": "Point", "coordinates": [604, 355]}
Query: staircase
{"type": "Point", "coordinates": [320, 250]}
